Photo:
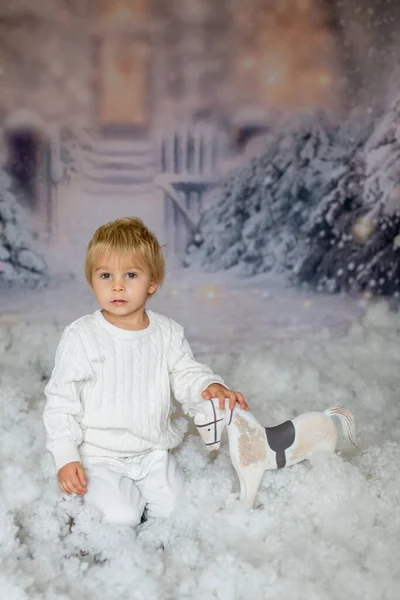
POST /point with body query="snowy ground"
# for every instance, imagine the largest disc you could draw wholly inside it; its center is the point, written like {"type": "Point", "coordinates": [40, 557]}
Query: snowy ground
{"type": "Point", "coordinates": [219, 311]}
{"type": "Point", "coordinates": [325, 531]}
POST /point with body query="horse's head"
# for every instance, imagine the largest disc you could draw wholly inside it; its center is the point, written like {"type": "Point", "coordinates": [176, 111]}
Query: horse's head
{"type": "Point", "coordinates": [210, 422]}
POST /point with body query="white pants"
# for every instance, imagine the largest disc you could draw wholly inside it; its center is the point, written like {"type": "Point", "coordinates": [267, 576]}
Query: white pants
{"type": "Point", "coordinates": [122, 488]}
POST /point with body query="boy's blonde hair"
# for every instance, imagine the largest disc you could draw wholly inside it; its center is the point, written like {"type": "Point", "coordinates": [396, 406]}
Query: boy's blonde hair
{"type": "Point", "coordinates": [128, 234]}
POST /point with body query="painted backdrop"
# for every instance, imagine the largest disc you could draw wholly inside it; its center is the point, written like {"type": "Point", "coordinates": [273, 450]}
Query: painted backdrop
{"type": "Point", "coordinates": [144, 107]}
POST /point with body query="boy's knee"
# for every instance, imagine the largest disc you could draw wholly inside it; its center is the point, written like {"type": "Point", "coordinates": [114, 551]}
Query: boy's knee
{"type": "Point", "coordinates": [117, 512]}
{"type": "Point", "coordinates": [166, 502]}
{"type": "Point", "coordinates": [161, 510]}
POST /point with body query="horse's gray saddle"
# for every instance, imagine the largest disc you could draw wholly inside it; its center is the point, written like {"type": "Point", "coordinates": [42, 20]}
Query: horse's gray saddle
{"type": "Point", "coordinates": [279, 439]}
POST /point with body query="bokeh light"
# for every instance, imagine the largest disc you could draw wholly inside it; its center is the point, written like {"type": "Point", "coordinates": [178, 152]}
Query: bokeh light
{"type": "Point", "coordinates": [211, 293]}
{"type": "Point", "coordinates": [362, 229]}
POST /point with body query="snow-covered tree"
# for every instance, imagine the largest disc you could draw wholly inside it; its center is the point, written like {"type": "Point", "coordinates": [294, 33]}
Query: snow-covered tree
{"type": "Point", "coordinates": [321, 204]}
{"type": "Point", "coordinates": [382, 158]}
{"type": "Point", "coordinates": [354, 236]}
{"type": "Point", "coordinates": [258, 218]}
{"type": "Point", "coordinates": [18, 263]}
{"type": "Point", "coordinates": [348, 251]}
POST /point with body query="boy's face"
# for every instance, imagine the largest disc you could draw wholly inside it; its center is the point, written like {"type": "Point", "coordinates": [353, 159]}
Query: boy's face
{"type": "Point", "coordinates": [121, 283]}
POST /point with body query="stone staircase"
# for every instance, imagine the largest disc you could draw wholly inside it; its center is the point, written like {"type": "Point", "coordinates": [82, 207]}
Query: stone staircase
{"type": "Point", "coordinates": [118, 163]}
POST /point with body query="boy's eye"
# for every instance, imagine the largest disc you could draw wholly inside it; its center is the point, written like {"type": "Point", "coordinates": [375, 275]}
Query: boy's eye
{"type": "Point", "coordinates": [131, 275]}
{"type": "Point", "coordinates": [105, 276]}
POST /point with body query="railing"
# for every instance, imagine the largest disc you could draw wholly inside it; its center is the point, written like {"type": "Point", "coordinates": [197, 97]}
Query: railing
{"type": "Point", "coordinates": [190, 155]}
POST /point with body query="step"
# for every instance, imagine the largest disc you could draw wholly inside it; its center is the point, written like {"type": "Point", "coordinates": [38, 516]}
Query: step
{"type": "Point", "coordinates": [116, 146]}
{"type": "Point", "coordinates": [104, 189]}
{"type": "Point", "coordinates": [123, 164]}
{"type": "Point", "coordinates": [119, 178]}
{"type": "Point", "coordinates": [119, 166]}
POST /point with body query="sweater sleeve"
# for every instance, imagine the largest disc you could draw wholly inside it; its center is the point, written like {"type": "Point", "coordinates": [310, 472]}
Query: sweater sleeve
{"type": "Point", "coordinates": [63, 410]}
{"type": "Point", "coordinates": [188, 377]}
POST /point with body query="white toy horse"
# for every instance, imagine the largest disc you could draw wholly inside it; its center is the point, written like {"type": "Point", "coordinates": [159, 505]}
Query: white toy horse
{"type": "Point", "coordinates": [254, 449]}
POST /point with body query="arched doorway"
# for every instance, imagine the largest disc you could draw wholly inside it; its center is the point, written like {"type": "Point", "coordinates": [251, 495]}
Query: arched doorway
{"type": "Point", "coordinates": [23, 146]}
{"type": "Point", "coordinates": [28, 164]}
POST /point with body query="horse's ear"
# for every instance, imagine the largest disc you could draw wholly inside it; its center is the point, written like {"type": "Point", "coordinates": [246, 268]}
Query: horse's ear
{"type": "Point", "coordinates": [215, 402]}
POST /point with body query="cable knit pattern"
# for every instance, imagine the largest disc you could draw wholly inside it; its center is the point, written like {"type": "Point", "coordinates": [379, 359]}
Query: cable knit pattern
{"type": "Point", "coordinates": [109, 392]}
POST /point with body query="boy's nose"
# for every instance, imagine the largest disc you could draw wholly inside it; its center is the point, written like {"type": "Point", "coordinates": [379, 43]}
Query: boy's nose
{"type": "Point", "coordinates": [117, 287]}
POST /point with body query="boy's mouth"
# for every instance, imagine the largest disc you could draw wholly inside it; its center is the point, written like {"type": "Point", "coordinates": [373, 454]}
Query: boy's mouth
{"type": "Point", "coordinates": [118, 302]}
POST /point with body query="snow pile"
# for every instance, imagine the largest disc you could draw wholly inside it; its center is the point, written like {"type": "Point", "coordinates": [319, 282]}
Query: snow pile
{"type": "Point", "coordinates": [322, 205]}
{"type": "Point", "coordinates": [18, 264]}
{"type": "Point", "coordinates": [323, 531]}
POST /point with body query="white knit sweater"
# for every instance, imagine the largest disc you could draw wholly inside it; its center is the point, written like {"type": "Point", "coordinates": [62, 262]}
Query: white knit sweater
{"type": "Point", "coordinates": [109, 392]}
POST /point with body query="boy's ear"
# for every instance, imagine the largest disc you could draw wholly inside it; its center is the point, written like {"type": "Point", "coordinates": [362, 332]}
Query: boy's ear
{"type": "Point", "coordinates": [153, 287]}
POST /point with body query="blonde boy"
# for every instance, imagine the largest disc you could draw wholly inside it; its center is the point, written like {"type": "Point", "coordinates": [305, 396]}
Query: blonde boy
{"type": "Point", "coordinates": [107, 414]}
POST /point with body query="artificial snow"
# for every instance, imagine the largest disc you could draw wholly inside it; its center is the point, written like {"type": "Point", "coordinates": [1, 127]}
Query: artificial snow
{"type": "Point", "coordinates": [323, 531]}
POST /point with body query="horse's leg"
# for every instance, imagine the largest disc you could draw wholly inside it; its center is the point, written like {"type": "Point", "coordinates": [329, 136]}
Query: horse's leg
{"type": "Point", "coordinates": [240, 471]}
{"type": "Point", "coordinates": [243, 487]}
{"type": "Point", "coordinates": [248, 452]}
{"type": "Point", "coordinates": [254, 477]}
{"type": "Point", "coordinates": [242, 482]}
{"type": "Point", "coordinates": [250, 478]}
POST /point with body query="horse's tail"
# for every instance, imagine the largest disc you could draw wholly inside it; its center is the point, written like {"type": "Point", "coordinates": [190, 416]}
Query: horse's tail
{"type": "Point", "coordinates": [347, 422]}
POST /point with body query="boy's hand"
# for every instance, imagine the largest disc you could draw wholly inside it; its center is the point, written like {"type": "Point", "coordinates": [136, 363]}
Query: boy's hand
{"type": "Point", "coordinates": [72, 478]}
{"type": "Point", "coordinates": [216, 390]}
